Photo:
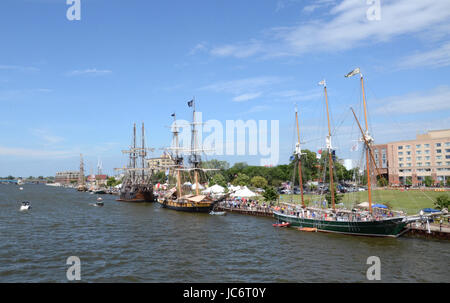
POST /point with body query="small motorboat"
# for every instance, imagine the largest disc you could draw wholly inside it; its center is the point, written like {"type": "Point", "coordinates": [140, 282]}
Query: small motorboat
{"type": "Point", "coordinates": [20, 188]}
{"type": "Point", "coordinates": [99, 202]}
{"type": "Point", "coordinates": [25, 206]}
{"type": "Point", "coordinates": [284, 224]}
{"type": "Point", "coordinates": [218, 213]}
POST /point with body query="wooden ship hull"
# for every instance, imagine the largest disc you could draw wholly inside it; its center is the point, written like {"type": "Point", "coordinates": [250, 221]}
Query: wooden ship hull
{"type": "Point", "coordinates": [137, 194]}
{"type": "Point", "coordinates": [392, 227]}
{"type": "Point", "coordinates": [187, 206]}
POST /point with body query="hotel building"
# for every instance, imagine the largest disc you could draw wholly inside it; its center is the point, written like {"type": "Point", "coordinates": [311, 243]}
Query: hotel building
{"type": "Point", "coordinates": [428, 155]}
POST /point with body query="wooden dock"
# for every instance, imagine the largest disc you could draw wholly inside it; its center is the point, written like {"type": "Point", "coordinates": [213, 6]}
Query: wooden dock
{"type": "Point", "coordinates": [246, 211]}
{"type": "Point", "coordinates": [434, 232]}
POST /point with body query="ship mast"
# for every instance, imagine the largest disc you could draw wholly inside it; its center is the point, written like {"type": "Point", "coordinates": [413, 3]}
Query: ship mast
{"type": "Point", "coordinates": [366, 137]}
{"type": "Point", "coordinates": [194, 156]}
{"type": "Point", "coordinates": [81, 175]}
{"type": "Point", "coordinates": [143, 154]}
{"type": "Point", "coordinates": [178, 159]}
{"type": "Point", "coordinates": [329, 147]}
{"type": "Point", "coordinates": [298, 151]}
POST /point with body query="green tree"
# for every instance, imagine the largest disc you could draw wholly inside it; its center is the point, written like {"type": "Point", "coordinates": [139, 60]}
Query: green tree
{"type": "Point", "coordinates": [428, 181]}
{"type": "Point", "coordinates": [408, 181]}
{"type": "Point", "coordinates": [447, 182]}
{"type": "Point", "coordinates": [382, 181]}
{"type": "Point", "coordinates": [259, 182]}
{"type": "Point", "coordinates": [442, 201]}
{"type": "Point", "coordinates": [270, 194]}
{"type": "Point", "coordinates": [337, 197]}
{"type": "Point", "coordinates": [218, 179]}
{"type": "Point", "coordinates": [241, 179]}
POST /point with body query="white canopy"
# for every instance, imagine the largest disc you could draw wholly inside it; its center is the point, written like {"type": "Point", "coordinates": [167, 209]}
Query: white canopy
{"type": "Point", "coordinates": [199, 186]}
{"type": "Point", "coordinates": [215, 189]}
{"type": "Point", "coordinates": [363, 204]}
{"type": "Point", "coordinates": [244, 193]}
{"type": "Point", "coordinates": [232, 188]}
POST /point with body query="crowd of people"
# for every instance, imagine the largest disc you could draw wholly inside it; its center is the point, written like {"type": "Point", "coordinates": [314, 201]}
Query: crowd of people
{"type": "Point", "coordinates": [246, 204]}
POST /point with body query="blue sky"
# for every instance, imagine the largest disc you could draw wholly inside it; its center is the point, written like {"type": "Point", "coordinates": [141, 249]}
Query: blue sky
{"type": "Point", "coordinates": [71, 87]}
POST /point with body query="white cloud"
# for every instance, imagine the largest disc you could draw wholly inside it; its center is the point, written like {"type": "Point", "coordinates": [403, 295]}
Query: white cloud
{"type": "Point", "coordinates": [436, 57]}
{"type": "Point", "coordinates": [437, 99]}
{"type": "Point", "coordinates": [346, 26]}
{"type": "Point", "coordinates": [246, 97]}
{"type": "Point", "coordinates": [89, 71]}
{"type": "Point", "coordinates": [46, 137]}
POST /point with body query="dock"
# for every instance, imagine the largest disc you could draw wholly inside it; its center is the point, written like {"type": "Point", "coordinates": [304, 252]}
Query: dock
{"type": "Point", "coordinates": [432, 231]}
{"type": "Point", "coordinates": [248, 211]}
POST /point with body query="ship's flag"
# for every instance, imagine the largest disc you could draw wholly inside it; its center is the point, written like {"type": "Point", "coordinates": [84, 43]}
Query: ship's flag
{"type": "Point", "coordinates": [173, 115]}
{"type": "Point", "coordinates": [322, 83]}
{"type": "Point", "coordinates": [353, 72]}
{"type": "Point", "coordinates": [354, 147]}
{"type": "Point", "coordinates": [191, 103]}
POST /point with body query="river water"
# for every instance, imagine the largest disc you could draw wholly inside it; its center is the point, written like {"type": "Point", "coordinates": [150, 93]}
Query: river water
{"type": "Point", "coordinates": [125, 242]}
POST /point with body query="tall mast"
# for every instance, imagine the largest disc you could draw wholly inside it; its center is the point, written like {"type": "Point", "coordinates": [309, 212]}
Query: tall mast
{"type": "Point", "coordinates": [366, 137]}
{"type": "Point", "coordinates": [143, 152]}
{"type": "Point", "coordinates": [367, 147]}
{"type": "Point", "coordinates": [299, 154]}
{"type": "Point", "coordinates": [178, 159]}
{"type": "Point", "coordinates": [194, 157]}
{"type": "Point", "coordinates": [81, 176]}
{"type": "Point", "coordinates": [329, 147]}
{"type": "Point", "coordinates": [133, 153]}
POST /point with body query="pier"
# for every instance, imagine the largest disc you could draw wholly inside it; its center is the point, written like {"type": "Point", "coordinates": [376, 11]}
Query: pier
{"type": "Point", "coordinates": [252, 211]}
{"type": "Point", "coordinates": [432, 231]}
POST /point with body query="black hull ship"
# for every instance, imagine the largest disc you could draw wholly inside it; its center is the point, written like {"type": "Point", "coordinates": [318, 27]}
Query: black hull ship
{"type": "Point", "coordinates": [136, 184]}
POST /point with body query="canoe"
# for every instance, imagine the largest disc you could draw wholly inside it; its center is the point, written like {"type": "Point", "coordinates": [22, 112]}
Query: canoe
{"type": "Point", "coordinates": [307, 229]}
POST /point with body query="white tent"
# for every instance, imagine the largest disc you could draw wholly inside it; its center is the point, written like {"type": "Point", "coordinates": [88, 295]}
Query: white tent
{"type": "Point", "coordinates": [244, 193]}
{"type": "Point", "coordinates": [364, 204]}
{"type": "Point", "coordinates": [199, 186]}
{"type": "Point", "coordinates": [232, 188]}
{"type": "Point", "coordinates": [215, 189]}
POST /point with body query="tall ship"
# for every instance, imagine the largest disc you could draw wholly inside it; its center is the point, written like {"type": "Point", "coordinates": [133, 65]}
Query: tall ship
{"type": "Point", "coordinates": [190, 200]}
{"type": "Point", "coordinates": [353, 222]}
{"type": "Point", "coordinates": [137, 185]}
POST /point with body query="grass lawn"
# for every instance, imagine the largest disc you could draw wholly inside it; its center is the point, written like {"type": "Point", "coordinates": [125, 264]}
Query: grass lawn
{"type": "Point", "coordinates": [411, 201]}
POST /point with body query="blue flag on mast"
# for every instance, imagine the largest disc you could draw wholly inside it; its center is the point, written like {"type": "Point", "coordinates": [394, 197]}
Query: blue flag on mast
{"type": "Point", "coordinates": [191, 103]}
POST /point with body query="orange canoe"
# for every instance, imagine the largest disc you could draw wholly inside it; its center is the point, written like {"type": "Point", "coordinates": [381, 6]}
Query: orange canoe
{"type": "Point", "coordinates": [308, 229]}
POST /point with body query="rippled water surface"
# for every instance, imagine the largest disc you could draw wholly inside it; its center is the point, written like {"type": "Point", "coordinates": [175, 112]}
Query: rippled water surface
{"type": "Point", "coordinates": [124, 242]}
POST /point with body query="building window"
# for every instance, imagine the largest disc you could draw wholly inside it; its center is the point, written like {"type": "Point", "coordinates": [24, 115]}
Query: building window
{"type": "Point", "coordinates": [438, 151]}
{"type": "Point", "coordinates": [408, 164]}
{"type": "Point", "coordinates": [447, 143]}
{"type": "Point", "coordinates": [400, 147]}
{"type": "Point", "coordinates": [426, 145]}
{"type": "Point", "coordinates": [408, 146]}
{"type": "Point", "coordinates": [438, 157]}
{"type": "Point", "coordinates": [408, 158]}
{"type": "Point", "coordinates": [419, 163]}
{"type": "Point", "coordinates": [427, 152]}
{"type": "Point", "coordinates": [447, 156]}
{"type": "Point", "coordinates": [400, 159]}
{"type": "Point", "coordinates": [427, 164]}
{"type": "Point", "coordinates": [418, 152]}
{"type": "Point", "coordinates": [447, 150]}
{"type": "Point", "coordinates": [438, 144]}
{"type": "Point", "coordinates": [408, 153]}
{"type": "Point", "coordinates": [419, 158]}
{"type": "Point", "coordinates": [438, 163]}
{"type": "Point", "coordinates": [427, 158]}
{"type": "Point", "coordinates": [401, 165]}
{"type": "Point", "coordinates": [418, 146]}
{"type": "Point", "coordinates": [400, 153]}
